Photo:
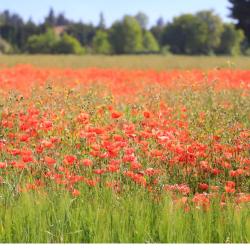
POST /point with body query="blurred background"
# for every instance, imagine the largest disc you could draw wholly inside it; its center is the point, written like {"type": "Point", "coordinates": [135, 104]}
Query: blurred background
{"type": "Point", "coordinates": [110, 27]}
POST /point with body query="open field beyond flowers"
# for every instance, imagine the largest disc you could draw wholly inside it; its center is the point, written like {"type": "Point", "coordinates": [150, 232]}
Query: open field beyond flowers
{"type": "Point", "coordinates": [157, 62]}
{"type": "Point", "coordinates": [117, 155]}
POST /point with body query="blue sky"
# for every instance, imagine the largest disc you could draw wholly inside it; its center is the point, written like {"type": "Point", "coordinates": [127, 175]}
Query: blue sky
{"type": "Point", "coordinates": [88, 10]}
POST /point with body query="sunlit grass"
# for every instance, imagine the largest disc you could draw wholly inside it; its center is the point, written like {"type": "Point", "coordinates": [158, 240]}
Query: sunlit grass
{"type": "Point", "coordinates": [158, 62]}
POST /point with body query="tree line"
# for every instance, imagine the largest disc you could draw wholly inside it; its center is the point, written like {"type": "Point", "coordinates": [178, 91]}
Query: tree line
{"type": "Point", "coordinates": [202, 33]}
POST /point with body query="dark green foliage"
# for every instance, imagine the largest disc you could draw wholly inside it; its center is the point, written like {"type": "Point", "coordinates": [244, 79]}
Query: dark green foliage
{"type": "Point", "coordinates": [116, 38]}
{"type": "Point", "coordinates": [214, 28]}
{"type": "Point", "coordinates": [157, 31]}
{"type": "Point", "coordinates": [240, 10]}
{"type": "Point", "coordinates": [202, 33]}
{"type": "Point", "coordinates": [102, 24]}
{"type": "Point", "coordinates": [187, 34]}
{"type": "Point", "coordinates": [42, 44]}
{"type": "Point", "coordinates": [231, 40]}
{"type": "Point", "coordinates": [84, 33]}
{"type": "Point", "coordinates": [11, 29]}
{"type": "Point", "coordinates": [53, 20]}
{"type": "Point", "coordinates": [142, 19]}
{"type": "Point", "coordinates": [192, 34]}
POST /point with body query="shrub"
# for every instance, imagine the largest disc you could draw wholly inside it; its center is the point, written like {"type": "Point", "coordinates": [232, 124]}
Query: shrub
{"type": "Point", "coordinates": [68, 45]}
{"type": "Point", "coordinates": [42, 44]}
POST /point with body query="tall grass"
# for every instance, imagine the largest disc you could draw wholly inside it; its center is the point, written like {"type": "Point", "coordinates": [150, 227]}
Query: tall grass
{"type": "Point", "coordinates": [157, 62]}
{"type": "Point", "coordinates": [100, 216]}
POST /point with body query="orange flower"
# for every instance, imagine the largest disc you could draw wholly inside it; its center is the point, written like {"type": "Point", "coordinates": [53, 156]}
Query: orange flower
{"type": "Point", "coordinates": [116, 114]}
{"type": "Point", "coordinates": [69, 159]}
{"type": "Point", "coordinates": [3, 165]}
{"type": "Point", "coordinates": [99, 171]}
{"type": "Point", "coordinates": [49, 161]}
{"type": "Point", "coordinates": [229, 189]}
{"type": "Point", "coordinates": [146, 114]}
{"type": "Point", "coordinates": [113, 168]}
{"type": "Point", "coordinates": [230, 184]}
{"type": "Point", "coordinates": [27, 158]}
{"type": "Point", "coordinates": [87, 162]}
{"type": "Point", "coordinates": [76, 193]}
{"type": "Point", "coordinates": [203, 186]}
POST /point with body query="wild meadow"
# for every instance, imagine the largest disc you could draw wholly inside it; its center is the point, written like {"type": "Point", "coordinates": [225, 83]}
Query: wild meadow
{"type": "Point", "coordinates": [118, 155]}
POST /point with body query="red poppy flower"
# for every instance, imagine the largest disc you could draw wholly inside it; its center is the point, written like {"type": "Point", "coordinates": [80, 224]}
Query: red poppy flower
{"type": "Point", "coordinates": [3, 165]}
{"type": "Point", "coordinates": [27, 158]}
{"type": "Point", "coordinates": [76, 193]}
{"type": "Point", "coordinates": [99, 171]}
{"type": "Point", "coordinates": [87, 162]}
{"type": "Point", "coordinates": [116, 114]}
{"type": "Point", "coordinates": [49, 160]}
{"type": "Point", "coordinates": [146, 114]}
{"type": "Point", "coordinates": [69, 159]}
{"type": "Point", "coordinates": [203, 186]}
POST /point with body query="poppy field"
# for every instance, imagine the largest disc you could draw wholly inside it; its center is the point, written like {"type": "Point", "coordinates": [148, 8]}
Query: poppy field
{"type": "Point", "coordinates": [95, 155]}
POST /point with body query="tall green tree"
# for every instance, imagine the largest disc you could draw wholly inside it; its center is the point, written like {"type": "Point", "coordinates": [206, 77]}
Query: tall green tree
{"type": "Point", "coordinates": [133, 38]}
{"type": "Point", "coordinates": [214, 28]}
{"type": "Point", "coordinates": [50, 20]}
{"type": "Point", "coordinates": [11, 29]}
{"type": "Point", "coordinates": [84, 33]}
{"type": "Point", "coordinates": [142, 19]}
{"type": "Point", "coordinates": [117, 38]}
{"type": "Point", "coordinates": [240, 10]}
{"type": "Point", "coordinates": [101, 43]}
{"type": "Point", "coordinates": [28, 29]}
{"type": "Point", "coordinates": [231, 40]}
{"type": "Point", "coordinates": [61, 20]}
{"type": "Point", "coordinates": [150, 44]}
{"type": "Point", "coordinates": [102, 24]}
{"type": "Point", "coordinates": [126, 36]}
{"type": "Point", "coordinates": [187, 34]}
{"type": "Point", "coordinates": [158, 29]}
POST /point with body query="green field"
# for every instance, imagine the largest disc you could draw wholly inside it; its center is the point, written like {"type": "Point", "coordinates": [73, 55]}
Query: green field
{"type": "Point", "coordinates": [100, 216]}
{"type": "Point", "coordinates": [156, 62]}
